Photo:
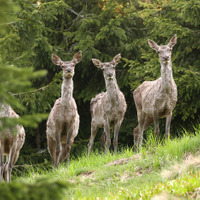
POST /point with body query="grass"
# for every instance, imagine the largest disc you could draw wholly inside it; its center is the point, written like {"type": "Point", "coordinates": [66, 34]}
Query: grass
{"type": "Point", "coordinates": [167, 170]}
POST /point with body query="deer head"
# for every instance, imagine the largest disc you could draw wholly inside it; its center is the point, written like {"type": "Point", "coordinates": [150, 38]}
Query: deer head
{"type": "Point", "coordinates": [67, 66]}
{"type": "Point", "coordinates": [107, 67]}
{"type": "Point", "coordinates": [164, 51]}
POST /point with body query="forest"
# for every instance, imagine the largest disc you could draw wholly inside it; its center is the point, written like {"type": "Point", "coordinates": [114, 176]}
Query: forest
{"type": "Point", "coordinates": [33, 30]}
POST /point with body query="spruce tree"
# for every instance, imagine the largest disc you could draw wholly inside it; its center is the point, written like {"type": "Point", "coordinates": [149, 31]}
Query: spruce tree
{"type": "Point", "coordinates": [13, 79]}
{"type": "Point", "coordinates": [101, 29]}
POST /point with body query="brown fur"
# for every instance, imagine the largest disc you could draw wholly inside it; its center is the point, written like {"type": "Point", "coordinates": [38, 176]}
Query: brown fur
{"type": "Point", "coordinates": [11, 141]}
{"type": "Point", "coordinates": [156, 99]}
{"type": "Point", "coordinates": [107, 108]}
{"type": "Point", "coordinates": [63, 120]}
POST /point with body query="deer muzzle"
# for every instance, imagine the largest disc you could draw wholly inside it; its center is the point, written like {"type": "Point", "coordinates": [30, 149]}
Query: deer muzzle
{"type": "Point", "coordinates": [110, 76]}
{"type": "Point", "coordinates": [166, 58]}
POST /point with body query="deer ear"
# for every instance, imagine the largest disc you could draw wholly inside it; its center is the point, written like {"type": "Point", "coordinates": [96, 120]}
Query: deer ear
{"type": "Point", "coordinates": [56, 60]}
{"type": "Point", "coordinates": [172, 41]}
{"type": "Point", "coordinates": [153, 45]}
{"type": "Point", "coordinates": [97, 63]}
{"type": "Point", "coordinates": [77, 57]}
{"type": "Point", "coordinates": [116, 59]}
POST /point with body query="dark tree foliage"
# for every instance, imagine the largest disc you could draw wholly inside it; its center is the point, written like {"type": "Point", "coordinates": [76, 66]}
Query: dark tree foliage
{"type": "Point", "coordinates": [162, 20]}
{"type": "Point", "coordinates": [13, 79]}
{"type": "Point", "coordinates": [102, 29]}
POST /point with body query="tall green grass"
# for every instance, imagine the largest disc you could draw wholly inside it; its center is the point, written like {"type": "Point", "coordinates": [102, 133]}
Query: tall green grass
{"type": "Point", "coordinates": [90, 177]}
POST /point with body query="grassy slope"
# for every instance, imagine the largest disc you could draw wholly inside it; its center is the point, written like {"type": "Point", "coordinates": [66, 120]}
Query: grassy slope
{"type": "Point", "coordinates": [159, 169]}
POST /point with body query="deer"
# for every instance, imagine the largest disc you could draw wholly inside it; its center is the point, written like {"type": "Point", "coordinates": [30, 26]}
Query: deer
{"type": "Point", "coordinates": [11, 142]}
{"type": "Point", "coordinates": [107, 108]}
{"type": "Point", "coordinates": [156, 99]}
{"type": "Point", "coordinates": [63, 121]}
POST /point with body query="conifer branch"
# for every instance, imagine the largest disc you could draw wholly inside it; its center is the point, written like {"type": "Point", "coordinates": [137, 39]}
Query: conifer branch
{"type": "Point", "coordinates": [77, 14]}
{"type": "Point", "coordinates": [32, 91]}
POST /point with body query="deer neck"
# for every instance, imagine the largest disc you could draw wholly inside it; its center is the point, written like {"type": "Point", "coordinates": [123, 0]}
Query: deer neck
{"type": "Point", "coordinates": [166, 76]}
{"type": "Point", "coordinates": [66, 92]}
{"type": "Point", "coordinates": [4, 110]}
{"type": "Point", "coordinates": [112, 90]}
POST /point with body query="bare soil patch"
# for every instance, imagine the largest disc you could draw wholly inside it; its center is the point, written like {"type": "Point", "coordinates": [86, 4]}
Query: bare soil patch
{"type": "Point", "coordinates": [124, 161]}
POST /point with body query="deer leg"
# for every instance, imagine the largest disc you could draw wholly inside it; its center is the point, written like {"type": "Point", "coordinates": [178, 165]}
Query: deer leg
{"type": "Point", "coordinates": [116, 133]}
{"type": "Point", "coordinates": [7, 172]}
{"type": "Point", "coordinates": [94, 130]}
{"type": "Point", "coordinates": [9, 164]}
{"type": "Point", "coordinates": [58, 149]}
{"type": "Point", "coordinates": [167, 126]}
{"type": "Point", "coordinates": [16, 156]}
{"type": "Point", "coordinates": [67, 148]}
{"type": "Point", "coordinates": [141, 130]}
{"type": "Point", "coordinates": [156, 124]}
{"type": "Point", "coordinates": [1, 162]}
{"type": "Point", "coordinates": [103, 140]}
{"type": "Point", "coordinates": [63, 152]}
{"type": "Point", "coordinates": [108, 140]}
{"type": "Point", "coordinates": [148, 122]}
{"type": "Point", "coordinates": [51, 145]}
{"type": "Point", "coordinates": [136, 134]}
{"type": "Point", "coordinates": [143, 124]}
{"type": "Point", "coordinates": [68, 151]}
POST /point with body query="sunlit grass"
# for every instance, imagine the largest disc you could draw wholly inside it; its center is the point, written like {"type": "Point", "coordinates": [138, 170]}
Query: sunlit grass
{"type": "Point", "coordinates": [141, 176]}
